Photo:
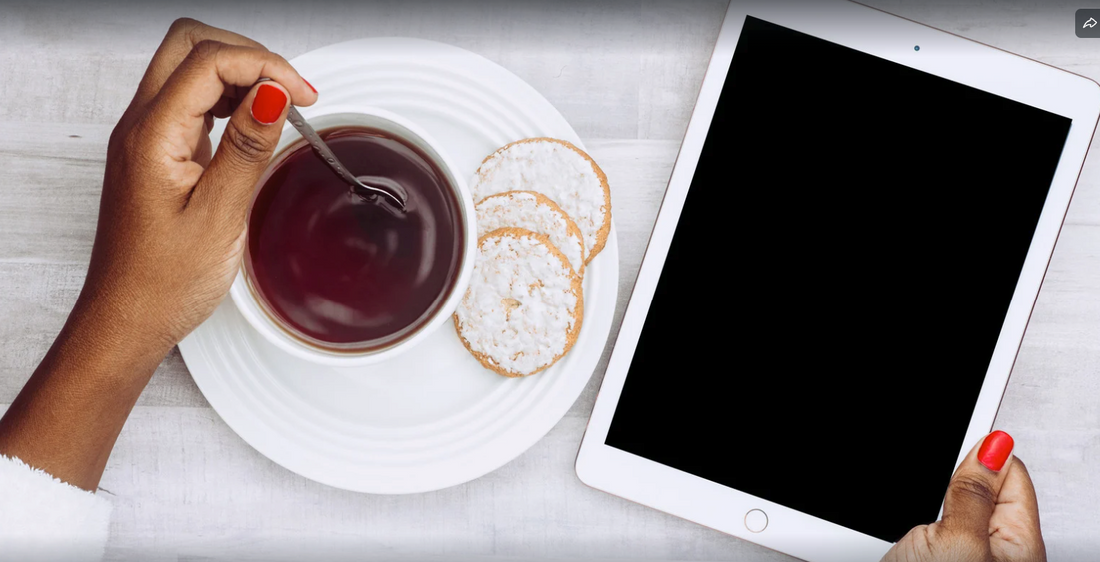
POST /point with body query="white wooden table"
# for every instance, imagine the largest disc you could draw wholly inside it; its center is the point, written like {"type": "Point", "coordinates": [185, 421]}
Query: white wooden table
{"type": "Point", "coordinates": [625, 74]}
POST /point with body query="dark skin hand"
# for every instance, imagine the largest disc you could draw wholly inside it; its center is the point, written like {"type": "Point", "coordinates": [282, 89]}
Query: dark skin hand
{"type": "Point", "coordinates": [168, 245]}
{"type": "Point", "coordinates": [988, 516]}
{"type": "Point", "coordinates": [170, 241]}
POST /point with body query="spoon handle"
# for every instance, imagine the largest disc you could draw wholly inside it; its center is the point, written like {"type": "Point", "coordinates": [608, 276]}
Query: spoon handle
{"type": "Point", "coordinates": [319, 145]}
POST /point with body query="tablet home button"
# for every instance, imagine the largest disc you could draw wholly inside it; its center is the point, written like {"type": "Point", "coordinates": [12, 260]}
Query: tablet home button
{"type": "Point", "coordinates": [756, 521]}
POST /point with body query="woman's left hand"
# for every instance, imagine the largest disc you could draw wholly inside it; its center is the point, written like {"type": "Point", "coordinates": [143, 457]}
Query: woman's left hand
{"type": "Point", "coordinates": [169, 242]}
{"type": "Point", "coordinates": [171, 226]}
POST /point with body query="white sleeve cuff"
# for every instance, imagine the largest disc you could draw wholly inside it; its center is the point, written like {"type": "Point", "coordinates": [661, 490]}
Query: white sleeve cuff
{"type": "Point", "coordinates": [44, 519]}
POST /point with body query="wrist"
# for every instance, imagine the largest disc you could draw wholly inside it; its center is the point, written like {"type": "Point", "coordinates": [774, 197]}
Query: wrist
{"type": "Point", "coordinates": [119, 334]}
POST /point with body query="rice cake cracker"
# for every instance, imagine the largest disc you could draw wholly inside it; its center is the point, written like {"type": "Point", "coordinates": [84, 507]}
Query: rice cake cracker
{"type": "Point", "coordinates": [560, 171]}
{"type": "Point", "coordinates": [524, 308]}
{"type": "Point", "coordinates": [537, 213]}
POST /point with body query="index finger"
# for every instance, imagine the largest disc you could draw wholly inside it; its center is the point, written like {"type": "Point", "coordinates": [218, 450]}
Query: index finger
{"type": "Point", "coordinates": [183, 35]}
{"type": "Point", "coordinates": [202, 78]}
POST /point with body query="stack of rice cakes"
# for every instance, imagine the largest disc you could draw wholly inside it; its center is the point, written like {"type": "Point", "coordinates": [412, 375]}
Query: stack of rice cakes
{"type": "Point", "coordinates": [543, 213]}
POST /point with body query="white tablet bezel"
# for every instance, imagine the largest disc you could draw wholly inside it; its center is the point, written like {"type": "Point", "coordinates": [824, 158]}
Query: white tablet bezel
{"type": "Point", "coordinates": [892, 38]}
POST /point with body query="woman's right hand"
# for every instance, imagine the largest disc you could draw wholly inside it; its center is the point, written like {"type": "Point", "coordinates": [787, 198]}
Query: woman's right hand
{"type": "Point", "coordinates": [990, 513]}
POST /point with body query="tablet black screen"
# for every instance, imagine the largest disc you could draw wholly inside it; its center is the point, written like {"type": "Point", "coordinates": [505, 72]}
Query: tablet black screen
{"type": "Point", "coordinates": [837, 281]}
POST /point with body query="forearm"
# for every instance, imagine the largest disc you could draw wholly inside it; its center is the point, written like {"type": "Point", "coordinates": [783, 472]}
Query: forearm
{"type": "Point", "coordinates": [68, 416]}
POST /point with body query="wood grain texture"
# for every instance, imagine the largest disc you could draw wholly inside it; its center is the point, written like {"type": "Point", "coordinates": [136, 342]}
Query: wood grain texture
{"type": "Point", "coordinates": [625, 74]}
{"type": "Point", "coordinates": [227, 501]}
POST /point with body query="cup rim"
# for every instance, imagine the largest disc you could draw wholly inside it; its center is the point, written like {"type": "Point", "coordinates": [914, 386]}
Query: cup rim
{"type": "Point", "coordinates": [256, 315]}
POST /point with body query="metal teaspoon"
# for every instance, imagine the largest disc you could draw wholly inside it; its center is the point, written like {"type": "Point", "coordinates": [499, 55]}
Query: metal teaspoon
{"type": "Point", "coordinates": [364, 186]}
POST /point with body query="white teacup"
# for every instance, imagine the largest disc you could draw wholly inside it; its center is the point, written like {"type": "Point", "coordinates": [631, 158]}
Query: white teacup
{"type": "Point", "coordinates": [353, 115]}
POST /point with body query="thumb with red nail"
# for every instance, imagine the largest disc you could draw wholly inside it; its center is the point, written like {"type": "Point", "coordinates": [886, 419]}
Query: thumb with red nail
{"type": "Point", "coordinates": [990, 513]}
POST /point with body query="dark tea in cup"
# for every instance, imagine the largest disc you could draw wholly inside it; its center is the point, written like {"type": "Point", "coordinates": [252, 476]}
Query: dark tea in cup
{"type": "Point", "coordinates": [344, 273]}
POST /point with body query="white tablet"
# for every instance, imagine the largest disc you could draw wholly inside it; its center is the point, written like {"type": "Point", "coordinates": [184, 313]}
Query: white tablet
{"type": "Point", "coordinates": [839, 279]}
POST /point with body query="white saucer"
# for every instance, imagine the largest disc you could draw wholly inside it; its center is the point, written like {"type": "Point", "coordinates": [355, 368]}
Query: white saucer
{"type": "Point", "coordinates": [433, 417]}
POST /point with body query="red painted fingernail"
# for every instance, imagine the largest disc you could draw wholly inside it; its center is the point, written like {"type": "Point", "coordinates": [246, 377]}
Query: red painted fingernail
{"type": "Point", "coordinates": [269, 104]}
{"type": "Point", "coordinates": [310, 85]}
{"type": "Point", "coordinates": [995, 450]}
